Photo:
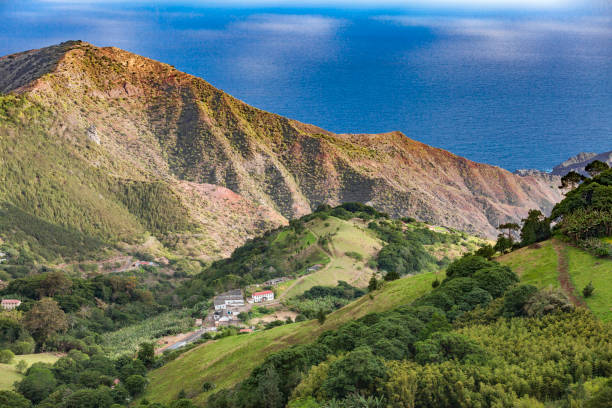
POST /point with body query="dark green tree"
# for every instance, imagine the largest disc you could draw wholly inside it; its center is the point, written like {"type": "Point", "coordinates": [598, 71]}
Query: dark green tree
{"type": "Point", "coordinates": [596, 167]}
{"type": "Point", "coordinates": [146, 354]}
{"type": "Point", "coordinates": [373, 284]}
{"type": "Point", "coordinates": [321, 316]}
{"type": "Point", "coordinates": [516, 299]}
{"type": "Point", "coordinates": [571, 180]}
{"type": "Point", "coordinates": [536, 228]}
{"type": "Point", "coordinates": [10, 399]}
{"type": "Point", "coordinates": [391, 276]}
{"type": "Point", "coordinates": [509, 227]}
{"type": "Point", "coordinates": [37, 384]}
{"type": "Point", "coordinates": [135, 384]}
{"type": "Point", "coordinates": [588, 290]}
{"type": "Point", "coordinates": [486, 251]}
{"type": "Point", "coordinates": [503, 244]}
{"type": "Point", "coordinates": [90, 398]}
{"type": "Point", "coordinates": [359, 372]}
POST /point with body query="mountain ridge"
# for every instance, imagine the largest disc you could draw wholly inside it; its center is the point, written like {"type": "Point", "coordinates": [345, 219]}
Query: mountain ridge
{"type": "Point", "coordinates": [132, 118]}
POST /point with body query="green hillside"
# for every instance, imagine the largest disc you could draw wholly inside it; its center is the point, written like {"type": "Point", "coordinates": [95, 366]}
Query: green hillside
{"type": "Point", "coordinates": [478, 339]}
{"type": "Point", "coordinates": [539, 265]}
{"type": "Point", "coordinates": [536, 265]}
{"type": "Point", "coordinates": [229, 360]}
{"type": "Point", "coordinates": [346, 243]}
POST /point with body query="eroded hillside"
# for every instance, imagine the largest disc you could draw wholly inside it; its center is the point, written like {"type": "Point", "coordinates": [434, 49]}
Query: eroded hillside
{"type": "Point", "coordinates": [108, 119]}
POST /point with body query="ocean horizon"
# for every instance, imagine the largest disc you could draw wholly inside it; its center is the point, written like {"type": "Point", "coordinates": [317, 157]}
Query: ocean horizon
{"type": "Point", "coordinates": [514, 89]}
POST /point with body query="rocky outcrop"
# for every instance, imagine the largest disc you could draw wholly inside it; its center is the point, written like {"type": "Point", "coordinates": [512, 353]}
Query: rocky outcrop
{"type": "Point", "coordinates": [162, 124]}
{"type": "Point", "coordinates": [580, 161]}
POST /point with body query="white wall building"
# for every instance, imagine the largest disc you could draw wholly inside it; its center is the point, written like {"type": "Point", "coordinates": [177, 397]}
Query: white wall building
{"type": "Point", "coordinates": [263, 296]}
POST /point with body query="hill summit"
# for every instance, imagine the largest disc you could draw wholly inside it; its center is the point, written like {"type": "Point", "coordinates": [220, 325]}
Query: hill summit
{"type": "Point", "coordinates": [107, 146]}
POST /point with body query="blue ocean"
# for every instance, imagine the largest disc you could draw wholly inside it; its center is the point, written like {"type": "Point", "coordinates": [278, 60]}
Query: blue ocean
{"type": "Point", "coordinates": [516, 88]}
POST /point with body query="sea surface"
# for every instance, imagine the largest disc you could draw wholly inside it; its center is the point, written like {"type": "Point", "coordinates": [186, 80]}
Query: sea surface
{"type": "Point", "coordinates": [517, 88]}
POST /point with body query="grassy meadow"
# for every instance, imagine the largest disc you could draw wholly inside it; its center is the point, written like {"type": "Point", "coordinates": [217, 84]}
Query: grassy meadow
{"type": "Point", "coordinates": [9, 373]}
{"type": "Point", "coordinates": [537, 265]}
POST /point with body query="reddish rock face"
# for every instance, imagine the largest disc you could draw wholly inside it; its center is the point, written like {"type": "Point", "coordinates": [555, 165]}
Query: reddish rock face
{"type": "Point", "coordinates": [239, 168]}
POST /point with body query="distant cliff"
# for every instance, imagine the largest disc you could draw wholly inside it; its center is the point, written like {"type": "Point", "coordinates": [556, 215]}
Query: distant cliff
{"type": "Point", "coordinates": [580, 161]}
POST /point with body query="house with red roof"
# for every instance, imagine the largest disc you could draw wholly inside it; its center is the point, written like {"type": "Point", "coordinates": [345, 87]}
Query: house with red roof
{"type": "Point", "coordinates": [10, 304]}
{"type": "Point", "coordinates": [263, 296]}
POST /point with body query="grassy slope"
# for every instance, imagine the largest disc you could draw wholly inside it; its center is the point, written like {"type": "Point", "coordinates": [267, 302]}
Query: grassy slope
{"type": "Point", "coordinates": [585, 268]}
{"type": "Point", "coordinates": [9, 373]}
{"type": "Point", "coordinates": [539, 267]}
{"type": "Point", "coordinates": [535, 266]}
{"type": "Point", "coordinates": [354, 236]}
{"type": "Point", "coordinates": [227, 361]}
{"type": "Point", "coordinates": [350, 236]}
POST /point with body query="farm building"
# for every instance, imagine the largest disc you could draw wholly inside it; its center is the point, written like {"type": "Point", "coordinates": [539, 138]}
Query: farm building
{"type": "Point", "coordinates": [275, 281]}
{"type": "Point", "coordinates": [228, 299]}
{"type": "Point", "coordinates": [9, 304]}
{"type": "Point", "coordinates": [263, 296]}
{"type": "Point", "coordinates": [314, 268]}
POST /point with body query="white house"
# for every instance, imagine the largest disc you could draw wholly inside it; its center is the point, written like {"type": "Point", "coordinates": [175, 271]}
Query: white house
{"type": "Point", "coordinates": [9, 304]}
{"type": "Point", "coordinates": [220, 304]}
{"type": "Point", "coordinates": [263, 296]}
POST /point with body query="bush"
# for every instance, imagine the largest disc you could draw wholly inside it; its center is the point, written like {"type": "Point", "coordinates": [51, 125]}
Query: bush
{"type": "Point", "coordinates": [22, 347]}
{"type": "Point", "coordinates": [10, 399]}
{"type": "Point", "coordinates": [208, 386]}
{"type": "Point", "coordinates": [467, 266]}
{"type": "Point", "coordinates": [355, 255]}
{"type": "Point", "coordinates": [516, 299]}
{"type": "Point", "coordinates": [486, 251]}
{"type": "Point", "coordinates": [6, 356]}
{"type": "Point", "coordinates": [135, 384]}
{"type": "Point", "coordinates": [547, 301]}
{"type": "Point", "coordinates": [588, 290]}
{"type": "Point", "coordinates": [22, 366]}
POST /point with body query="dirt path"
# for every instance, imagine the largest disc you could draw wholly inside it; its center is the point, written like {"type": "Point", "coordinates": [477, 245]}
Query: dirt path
{"type": "Point", "coordinates": [564, 277]}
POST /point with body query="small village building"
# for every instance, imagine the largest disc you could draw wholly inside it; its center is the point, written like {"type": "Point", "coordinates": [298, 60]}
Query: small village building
{"type": "Point", "coordinates": [138, 264]}
{"type": "Point", "coordinates": [246, 330]}
{"type": "Point", "coordinates": [219, 304]}
{"type": "Point", "coordinates": [263, 296]}
{"type": "Point", "coordinates": [229, 299]}
{"type": "Point", "coordinates": [199, 322]}
{"type": "Point", "coordinates": [10, 304]}
{"type": "Point", "coordinates": [314, 268]}
{"type": "Point", "coordinates": [275, 281]}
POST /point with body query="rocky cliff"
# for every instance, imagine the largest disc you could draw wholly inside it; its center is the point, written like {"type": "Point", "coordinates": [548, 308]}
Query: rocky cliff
{"type": "Point", "coordinates": [108, 132]}
{"type": "Point", "coordinates": [580, 161]}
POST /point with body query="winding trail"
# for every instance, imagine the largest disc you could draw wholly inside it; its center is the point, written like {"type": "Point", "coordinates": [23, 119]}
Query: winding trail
{"type": "Point", "coordinates": [564, 277]}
